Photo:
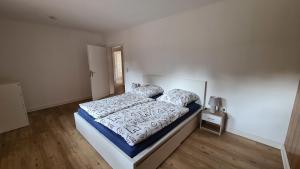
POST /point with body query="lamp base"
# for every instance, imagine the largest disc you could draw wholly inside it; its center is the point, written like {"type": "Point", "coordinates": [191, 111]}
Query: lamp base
{"type": "Point", "coordinates": [213, 110]}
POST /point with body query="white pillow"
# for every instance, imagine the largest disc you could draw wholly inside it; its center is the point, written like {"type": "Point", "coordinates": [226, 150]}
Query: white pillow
{"type": "Point", "coordinates": [179, 97]}
{"type": "Point", "coordinates": [148, 90]}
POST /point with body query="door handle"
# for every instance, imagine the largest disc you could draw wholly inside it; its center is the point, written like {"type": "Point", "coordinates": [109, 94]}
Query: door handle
{"type": "Point", "coordinates": [91, 73]}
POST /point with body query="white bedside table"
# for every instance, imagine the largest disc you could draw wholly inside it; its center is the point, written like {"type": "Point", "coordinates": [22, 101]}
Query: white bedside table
{"type": "Point", "coordinates": [213, 122]}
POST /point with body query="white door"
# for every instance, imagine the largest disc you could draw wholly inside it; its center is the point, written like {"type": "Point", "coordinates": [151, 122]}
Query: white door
{"type": "Point", "coordinates": [98, 62]}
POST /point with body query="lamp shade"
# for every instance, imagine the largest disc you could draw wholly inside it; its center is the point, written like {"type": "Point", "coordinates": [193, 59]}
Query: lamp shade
{"type": "Point", "coordinates": [215, 101]}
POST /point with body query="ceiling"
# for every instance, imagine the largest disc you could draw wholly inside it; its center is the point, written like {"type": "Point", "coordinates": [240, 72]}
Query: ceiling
{"type": "Point", "coordinates": [95, 15]}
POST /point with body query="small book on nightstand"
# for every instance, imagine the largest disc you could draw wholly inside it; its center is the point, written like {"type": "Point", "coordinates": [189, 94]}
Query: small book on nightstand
{"type": "Point", "coordinates": [213, 122]}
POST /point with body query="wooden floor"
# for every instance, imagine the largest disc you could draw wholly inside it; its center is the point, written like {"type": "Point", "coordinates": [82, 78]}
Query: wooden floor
{"type": "Point", "coordinates": [51, 141]}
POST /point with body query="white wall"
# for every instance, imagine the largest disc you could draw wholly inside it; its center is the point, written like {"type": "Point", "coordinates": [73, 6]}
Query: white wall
{"type": "Point", "coordinates": [247, 50]}
{"type": "Point", "coordinates": [50, 62]}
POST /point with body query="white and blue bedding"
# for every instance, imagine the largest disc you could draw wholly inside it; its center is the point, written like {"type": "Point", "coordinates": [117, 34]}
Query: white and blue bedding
{"type": "Point", "coordinates": [137, 123]}
{"type": "Point", "coordinates": [104, 107]}
{"type": "Point", "coordinates": [120, 142]}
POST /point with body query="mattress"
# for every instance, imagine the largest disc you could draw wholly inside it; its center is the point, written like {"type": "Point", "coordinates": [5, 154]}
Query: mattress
{"type": "Point", "coordinates": [119, 141]}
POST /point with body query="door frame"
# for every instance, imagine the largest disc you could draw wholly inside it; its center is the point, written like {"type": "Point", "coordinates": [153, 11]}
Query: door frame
{"type": "Point", "coordinates": [117, 48]}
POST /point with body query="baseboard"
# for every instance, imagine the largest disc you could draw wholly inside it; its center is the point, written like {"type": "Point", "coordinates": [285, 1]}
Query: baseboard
{"type": "Point", "coordinates": [284, 157]}
{"type": "Point", "coordinates": [45, 106]}
{"type": "Point", "coordinates": [256, 138]}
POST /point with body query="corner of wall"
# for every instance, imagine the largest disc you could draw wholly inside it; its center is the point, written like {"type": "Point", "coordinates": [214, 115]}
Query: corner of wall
{"type": "Point", "coordinates": [256, 138]}
{"type": "Point", "coordinates": [58, 103]}
{"type": "Point", "coordinates": [284, 157]}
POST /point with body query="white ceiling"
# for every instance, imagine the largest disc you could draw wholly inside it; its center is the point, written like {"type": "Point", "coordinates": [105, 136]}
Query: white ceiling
{"type": "Point", "coordinates": [95, 15]}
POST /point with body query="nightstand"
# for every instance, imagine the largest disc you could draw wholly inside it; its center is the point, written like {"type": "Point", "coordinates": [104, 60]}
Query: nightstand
{"type": "Point", "coordinates": [213, 122]}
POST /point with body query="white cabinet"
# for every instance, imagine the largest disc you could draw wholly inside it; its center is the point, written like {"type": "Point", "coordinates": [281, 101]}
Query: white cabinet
{"type": "Point", "coordinates": [13, 113]}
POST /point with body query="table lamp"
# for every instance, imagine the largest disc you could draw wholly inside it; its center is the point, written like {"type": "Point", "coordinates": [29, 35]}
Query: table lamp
{"type": "Point", "coordinates": [215, 103]}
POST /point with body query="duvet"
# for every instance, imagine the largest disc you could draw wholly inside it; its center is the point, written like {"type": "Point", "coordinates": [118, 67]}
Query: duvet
{"type": "Point", "coordinates": [137, 123]}
{"type": "Point", "coordinates": [104, 107]}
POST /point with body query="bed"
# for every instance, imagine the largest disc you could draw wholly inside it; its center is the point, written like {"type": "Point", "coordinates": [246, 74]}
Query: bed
{"type": "Point", "coordinates": [151, 152]}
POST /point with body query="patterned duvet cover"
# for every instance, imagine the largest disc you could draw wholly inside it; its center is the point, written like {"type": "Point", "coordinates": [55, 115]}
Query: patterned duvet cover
{"type": "Point", "coordinates": [137, 123]}
{"type": "Point", "coordinates": [104, 107]}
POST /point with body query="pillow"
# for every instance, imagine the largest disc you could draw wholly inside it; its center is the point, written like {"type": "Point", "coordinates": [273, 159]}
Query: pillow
{"type": "Point", "coordinates": [179, 97]}
{"type": "Point", "coordinates": [148, 90]}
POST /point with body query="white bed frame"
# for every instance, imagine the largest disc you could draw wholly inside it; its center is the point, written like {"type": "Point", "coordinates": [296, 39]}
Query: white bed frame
{"type": "Point", "coordinates": [153, 156]}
